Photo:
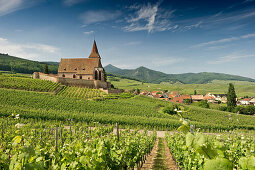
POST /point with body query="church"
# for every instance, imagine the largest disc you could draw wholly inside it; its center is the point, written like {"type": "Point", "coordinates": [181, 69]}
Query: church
{"type": "Point", "coordinates": [83, 68]}
{"type": "Point", "coordinates": [81, 72]}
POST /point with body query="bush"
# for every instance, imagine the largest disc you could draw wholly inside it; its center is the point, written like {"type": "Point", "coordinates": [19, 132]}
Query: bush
{"type": "Point", "coordinates": [169, 110]}
{"type": "Point", "coordinates": [203, 104]}
{"type": "Point", "coordinates": [246, 110]}
{"type": "Point", "coordinates": [126, 95]}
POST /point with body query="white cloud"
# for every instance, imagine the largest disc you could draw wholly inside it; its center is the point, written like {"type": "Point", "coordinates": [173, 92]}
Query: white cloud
{"type": "Point", "coordinates": [230, 58]}
{"type": "Point", "coordinates": [90, 17]}
{"type": "Point", "coordinates": [88, 32]}
{"type": "Point", "coordinates": [225, 40]}
{"type": "Point", "coordinates": [9, 6]}
{"type": "Point", "coordinates": [29, 51]}
{"type": "Point", "coordinates": [149, 18]}
{"type": "Point", "coordinates": [72, 2]}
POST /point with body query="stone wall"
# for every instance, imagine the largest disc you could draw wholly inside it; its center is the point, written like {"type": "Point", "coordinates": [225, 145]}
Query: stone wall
{"type": "Point", "coordinates": [112, 91]}
{"type": "Point", "coordinates": [72, 82]}
{"type": "Point", "coordinates": [50, 77]}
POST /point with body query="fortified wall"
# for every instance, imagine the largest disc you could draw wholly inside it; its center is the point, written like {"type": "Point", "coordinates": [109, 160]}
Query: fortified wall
{"type": "Point", "coordinates": [72, 82]}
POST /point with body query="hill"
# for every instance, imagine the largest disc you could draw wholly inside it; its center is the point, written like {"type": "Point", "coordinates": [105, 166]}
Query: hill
{"type": "Point", "coordinates": [20, 65]}
{"type": "Point", "coordinates": [152, 76]}
{"type": "Point", "coordinates": [243, 88]}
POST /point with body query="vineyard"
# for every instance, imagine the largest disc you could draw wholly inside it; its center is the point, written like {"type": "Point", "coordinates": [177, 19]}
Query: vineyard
{"type": "Point", "coordinates": [62, 128]}
{"type": "Point", "coordinates": [194, 150]}
{"type": "Point", "coordinates": [40, 145]}
{"type": "Point", "coordinates": [138, 111]}
{"type": "Point", "coordinates": [80, 93]}
{"type": "Point", "coordinates": [26, 83]}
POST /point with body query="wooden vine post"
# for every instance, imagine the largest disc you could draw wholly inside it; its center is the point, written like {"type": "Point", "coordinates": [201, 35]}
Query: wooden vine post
{"type": "Point", "coordinates": [56, 140]}
{"type": "Point", "coordinates": [117, 131]}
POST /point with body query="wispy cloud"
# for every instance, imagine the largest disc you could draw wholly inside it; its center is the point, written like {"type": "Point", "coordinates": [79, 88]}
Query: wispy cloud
{"type": "Point", "coordinates": [131, 43]}
{"type": "Point", "coordinates": [28, 51]}
{"type": "Point", "coordinates": [149, 18]}
{"type": "Point", "coordinates": [166, 61]}
{"type": "Point", "coordinates": [72, 2]}
{"type": "Point", "coordinates": [88, 32]}
{"type": "Point", "coordinates": [225, 40]}
{"type": "Point", "coordinates": [9, 6]}
{"type": "Point", "coordinates": [188, 27]}
{"type": "Point", "coordinates": [230, 58]}
{"type": "Point", "coordinates": [90, 17]}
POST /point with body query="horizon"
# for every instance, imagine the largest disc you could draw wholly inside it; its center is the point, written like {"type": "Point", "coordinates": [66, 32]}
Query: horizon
{"type": "Point", "coordinates": [171, 37]}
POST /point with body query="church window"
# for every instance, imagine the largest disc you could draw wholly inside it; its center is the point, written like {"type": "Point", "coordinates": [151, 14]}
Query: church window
{"type": "Point", "coordinates": [65, 69]}
{"type": "Point", "coordinates": [63, 75]}
{"type": "Point", "coordinates": [80, 76]}
{"type": "Point", "coordinates": [95, 75]}
{"type": "Point", "coordinates": [74, 76]}
{"type": "Point", "coordinates": [99, 75]}
{"type": "Point", "coordinates": [75, 69]}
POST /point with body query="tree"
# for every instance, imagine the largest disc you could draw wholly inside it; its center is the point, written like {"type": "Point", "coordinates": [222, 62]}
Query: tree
{"type": "Point", "coordinates": [105, 75]}
{"type": "Point", "coordinates": [195, 92]}
{"type": "Point", "coordinates": [231, 96]}
{"type": "Point", "coordinates": [203, 103]}
{"type": "Point", "coordinates": [46, 69]}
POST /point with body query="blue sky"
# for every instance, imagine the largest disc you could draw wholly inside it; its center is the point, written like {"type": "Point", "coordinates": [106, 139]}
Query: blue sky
{"type": "Point", "coordinates": [176, 36]}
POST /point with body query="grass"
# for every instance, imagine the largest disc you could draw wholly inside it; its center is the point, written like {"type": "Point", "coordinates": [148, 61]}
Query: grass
{"type": "Point", "coordinates": [243, 88]}
{"type": "Point", "coordinates": [159, 161]}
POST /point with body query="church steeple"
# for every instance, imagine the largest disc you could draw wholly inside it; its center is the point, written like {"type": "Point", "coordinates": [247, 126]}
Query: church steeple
{"type": "Point", "coordinates": [94, 52]}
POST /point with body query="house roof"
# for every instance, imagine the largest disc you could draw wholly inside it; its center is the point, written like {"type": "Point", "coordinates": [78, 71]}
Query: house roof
{"type": "Point", "coordinates": [252, 100]}
{"type": "Point", "coordinates": [246, 99]}
{"type": "Point", "coordinates": [220, 95]}
{"type": "Point", "coordinates": [181, 98]}
{"type": "Point", "coordinates": [209, 98]}
{"type": "Point", "coordinates": [197, 97]}
{"type": "Point", "coordinates": [79, 65]}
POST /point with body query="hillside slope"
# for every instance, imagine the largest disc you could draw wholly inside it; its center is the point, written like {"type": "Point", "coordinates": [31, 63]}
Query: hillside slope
{"type": "Point", "coordinates": [151, 76]}
{"type": "Point", "coordinates": [19, 65]}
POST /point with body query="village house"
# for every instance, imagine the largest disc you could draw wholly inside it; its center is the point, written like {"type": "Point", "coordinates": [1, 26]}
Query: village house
{"type": "Point", "coordinates": [181, 98]}
{"type": "Point", "coordinates": [197, 98]}
{"type": "Point", "coordinates": [218, 97]}
{"type": "Point", "coordinates": [245, 101]}
{"type": "Point", "coordinates": [210, 99]}
{"type": "Point", "coordinates": [252, 101]}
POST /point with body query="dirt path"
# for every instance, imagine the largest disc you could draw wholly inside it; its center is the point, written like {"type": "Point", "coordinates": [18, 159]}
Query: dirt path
{"type": "Point", "coordinates": [169, 160]}
{"type": "Point", "coordinates": [150, 159]}
{"type": "Point", "coordinates": [160, 157]}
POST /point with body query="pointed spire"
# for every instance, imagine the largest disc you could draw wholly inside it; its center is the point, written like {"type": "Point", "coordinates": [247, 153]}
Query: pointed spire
{"type": "Point", "coordinates": [94, 52]}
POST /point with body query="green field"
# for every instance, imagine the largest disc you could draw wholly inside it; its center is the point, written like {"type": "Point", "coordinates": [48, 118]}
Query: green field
{"type": "Point", "coordinates": [242, 88]}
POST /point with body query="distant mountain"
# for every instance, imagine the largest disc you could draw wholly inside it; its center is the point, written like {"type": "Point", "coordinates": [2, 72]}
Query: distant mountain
{"type": "Point", "coordinates": [20, 65]}
{"type": "Point", "coordinates": [151, 76]}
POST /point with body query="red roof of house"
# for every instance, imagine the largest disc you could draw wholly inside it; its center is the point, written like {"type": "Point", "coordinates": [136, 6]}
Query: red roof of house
{"type": "Point", "coordinates": [246, 99]}
{"type": "Point", "coordinates": [181, 98]}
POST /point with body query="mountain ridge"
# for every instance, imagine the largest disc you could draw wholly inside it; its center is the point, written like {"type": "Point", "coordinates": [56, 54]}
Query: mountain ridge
{"type": "Point", "coordinates": [151, 76]}
{"type": "Point", "coordinates": [20, 65]}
